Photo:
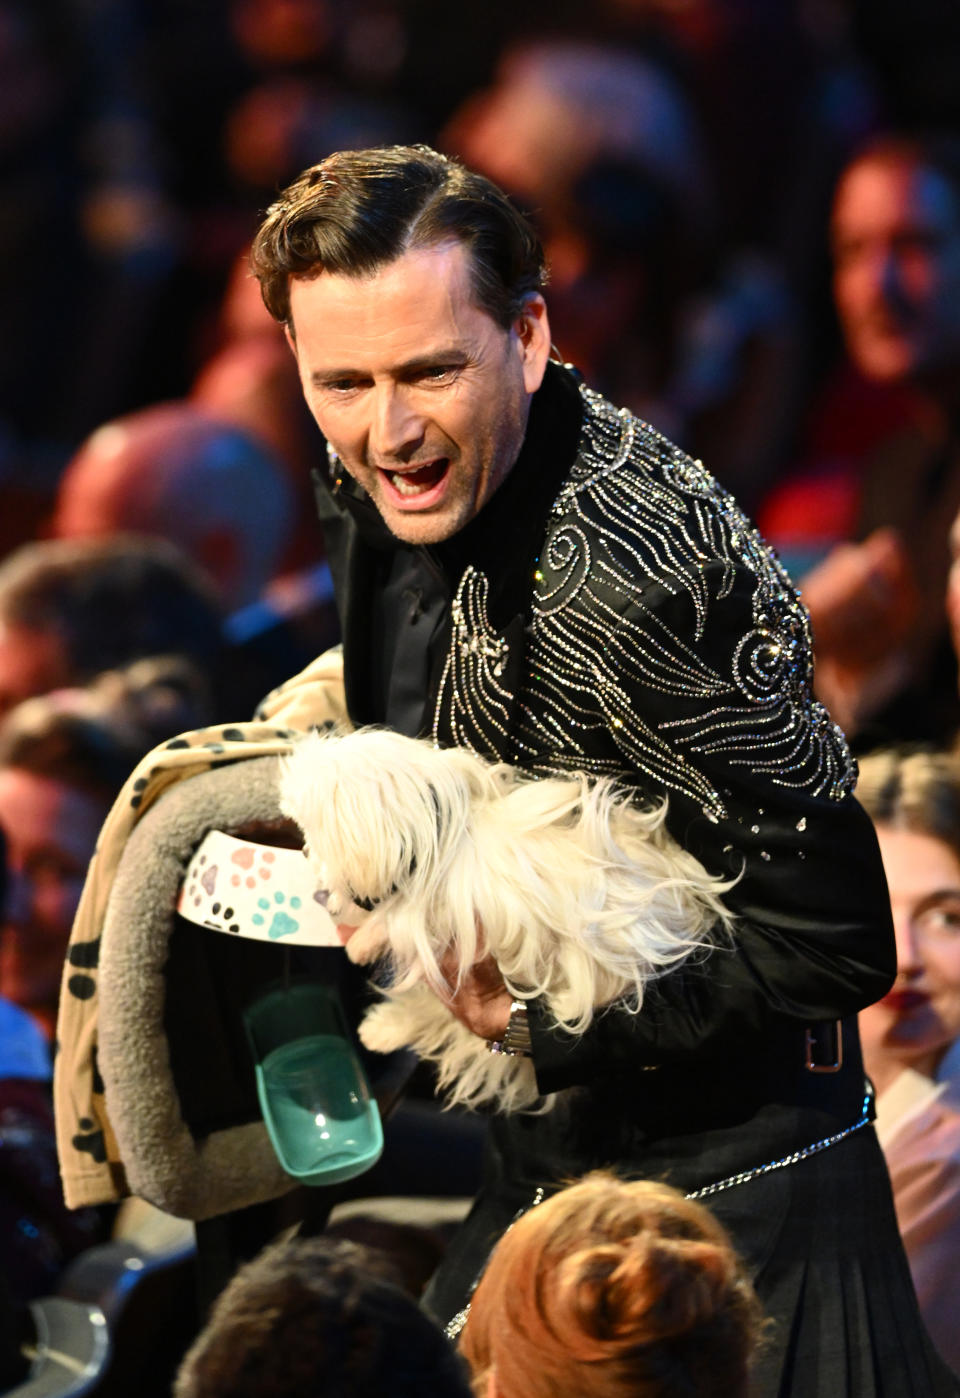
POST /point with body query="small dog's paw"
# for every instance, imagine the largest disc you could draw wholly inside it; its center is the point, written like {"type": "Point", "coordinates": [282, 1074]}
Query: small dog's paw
{"type": "Point", "coordinates": [366, 944]}
{"type": "Point", "coordinates": [382, 1031]}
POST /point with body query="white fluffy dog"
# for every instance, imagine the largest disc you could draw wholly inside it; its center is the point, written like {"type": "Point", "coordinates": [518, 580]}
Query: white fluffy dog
{"type": "Point", "coordinates": [580, 896]}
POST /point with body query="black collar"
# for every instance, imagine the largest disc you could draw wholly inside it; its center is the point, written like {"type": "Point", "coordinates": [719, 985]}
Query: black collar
{"type": "Point", "coordinates": [504, 538]}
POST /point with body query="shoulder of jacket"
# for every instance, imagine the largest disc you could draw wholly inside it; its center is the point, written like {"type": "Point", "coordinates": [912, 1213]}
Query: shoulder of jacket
{"type": "Point", "coordinates": [620, 450]}
{"type": "Point", "coordinates": [630, 488]}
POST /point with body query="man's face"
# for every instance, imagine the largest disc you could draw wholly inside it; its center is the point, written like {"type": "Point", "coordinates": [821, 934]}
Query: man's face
{"type": "Point", "coordinates": [51, 830]}
{"type": "Point", "coordinates": [422, 395]}
{"type": "Point", "coordinates": [896, 249]}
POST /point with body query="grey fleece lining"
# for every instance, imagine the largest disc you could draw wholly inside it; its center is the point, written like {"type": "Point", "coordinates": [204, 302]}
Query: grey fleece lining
{"type": "Point", "coordinates": [164, 1163]}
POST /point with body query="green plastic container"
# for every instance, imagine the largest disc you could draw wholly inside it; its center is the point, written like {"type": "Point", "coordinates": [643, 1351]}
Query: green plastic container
{"type": "Point", "coordinates": [314, 1094]}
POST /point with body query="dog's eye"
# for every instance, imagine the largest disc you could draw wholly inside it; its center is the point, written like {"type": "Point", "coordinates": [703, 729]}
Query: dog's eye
{"type": "Point", "coordinates": [366, 904]}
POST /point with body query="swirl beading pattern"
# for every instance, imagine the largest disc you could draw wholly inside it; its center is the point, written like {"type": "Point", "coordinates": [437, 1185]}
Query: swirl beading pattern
{"type": "Point", "coordinates": [638, 525]}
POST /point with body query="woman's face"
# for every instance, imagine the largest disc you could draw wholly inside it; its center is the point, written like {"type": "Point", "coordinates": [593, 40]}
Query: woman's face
{"type": "Point", "coordinates": [51, 830]}
{"type": "Point", "coordinates": [919, 1018]}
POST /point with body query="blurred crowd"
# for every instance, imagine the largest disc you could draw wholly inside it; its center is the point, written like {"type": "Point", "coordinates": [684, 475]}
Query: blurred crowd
{"type": "Point", "coordinates": [752, 218]}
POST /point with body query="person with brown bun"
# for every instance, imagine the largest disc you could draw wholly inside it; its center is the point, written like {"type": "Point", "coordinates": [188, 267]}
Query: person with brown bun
{"type": "Point", "coordinates": [613, 1288]}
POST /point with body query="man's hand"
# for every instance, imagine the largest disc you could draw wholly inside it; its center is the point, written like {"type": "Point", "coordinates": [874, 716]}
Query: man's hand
{"type": "Point", "coordinates": [483, 1001]}
{"type": "Point", "coordinates": [864, 607]}
{"type": "Point", "coordinates": [863, 600]}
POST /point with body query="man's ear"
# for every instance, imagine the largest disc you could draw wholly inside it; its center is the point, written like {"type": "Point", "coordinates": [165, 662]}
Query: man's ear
{"type": "Point", "coordinates": [289, 336]}
{"type": "Point", "coordinates": [532, 328]}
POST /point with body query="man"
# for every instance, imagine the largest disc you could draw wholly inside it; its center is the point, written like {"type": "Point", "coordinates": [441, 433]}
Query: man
{"type": "Point", "coordinates": [524, 570]}
{"type": "Point", "coordinates": [895, 235]}
{"type": "Point", "coordinates": [876, 602]}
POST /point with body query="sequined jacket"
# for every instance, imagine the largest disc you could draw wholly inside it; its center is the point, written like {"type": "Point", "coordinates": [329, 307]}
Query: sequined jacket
{"type": "Point", "coordinates": [611, 609]}
{"type": "Point", "coordinates": [648, 633]}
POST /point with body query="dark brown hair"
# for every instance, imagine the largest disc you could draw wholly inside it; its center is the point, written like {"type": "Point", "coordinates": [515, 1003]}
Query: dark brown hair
{"type": "Point", "coordinates": [317, 1316]}
{"type": "Point", "coordinates": [91, 738]}
{"type": "Point", "coordinates": [619, 1289]}
{"type": "Point", "coordinates": [915, 790]}
{"type": "Point", "coordinates": [357, 211]}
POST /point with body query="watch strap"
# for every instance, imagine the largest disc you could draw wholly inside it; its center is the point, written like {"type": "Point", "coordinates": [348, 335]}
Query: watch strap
{"type": "Point", "coordinates": [516, 1041]}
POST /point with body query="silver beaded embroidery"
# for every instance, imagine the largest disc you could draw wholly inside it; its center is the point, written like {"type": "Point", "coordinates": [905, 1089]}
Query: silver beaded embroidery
{"type": "Point", "coordinates": [477, 705]}
{"type": "Point", "coordinates": [635, 520]}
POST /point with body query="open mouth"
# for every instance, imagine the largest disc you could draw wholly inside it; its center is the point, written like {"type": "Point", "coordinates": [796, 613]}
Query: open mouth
{"type": "Point", "coordinates": [419, 485]}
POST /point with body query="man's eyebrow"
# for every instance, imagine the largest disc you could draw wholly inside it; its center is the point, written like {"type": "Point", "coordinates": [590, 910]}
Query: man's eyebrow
{"type": "Point", "coordinates": [450, 354]}
{"type": "Point", "coordinates": [319, 377]}
{"type": "Point", "coordinates": [939, 895]}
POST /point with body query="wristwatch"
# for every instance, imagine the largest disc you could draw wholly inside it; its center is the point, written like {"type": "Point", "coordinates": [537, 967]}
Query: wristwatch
{"type": "Point", "coordinates": [516, 1039]}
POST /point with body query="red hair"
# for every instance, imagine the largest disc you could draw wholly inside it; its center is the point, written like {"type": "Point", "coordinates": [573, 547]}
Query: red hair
{"type": "Point", "coordinates": [613, 1288]}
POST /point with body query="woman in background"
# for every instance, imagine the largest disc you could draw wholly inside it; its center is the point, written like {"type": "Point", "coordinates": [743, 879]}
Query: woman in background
{"type": "Point", "coordinates": [911, 1038]}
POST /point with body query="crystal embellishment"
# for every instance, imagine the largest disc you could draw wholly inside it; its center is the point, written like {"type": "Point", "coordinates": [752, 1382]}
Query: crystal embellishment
{"type": "Point", "coordinates": [643, 549]}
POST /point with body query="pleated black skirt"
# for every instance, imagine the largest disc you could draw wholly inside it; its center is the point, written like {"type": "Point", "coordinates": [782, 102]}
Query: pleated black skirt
{"type": "Point", "coordinates": [821, 1241]}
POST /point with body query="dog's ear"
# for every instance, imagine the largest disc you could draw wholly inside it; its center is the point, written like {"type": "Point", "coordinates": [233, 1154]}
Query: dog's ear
{"type": "Point", "coordinates": [378, 810]}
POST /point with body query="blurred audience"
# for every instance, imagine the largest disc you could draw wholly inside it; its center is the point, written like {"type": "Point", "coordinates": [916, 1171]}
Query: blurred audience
{"type": "Point", "coordinates": [63, 758]}
{"type": "Point", "coordinates": [603, 146]}
{"type": "Point", "coordinates": [70, 609]}
{"type": "Point", "coordinates": [38, 1234]}
{"type": "Point", "coordinates": [953, 589]}
{"type": "Point", "coordinates": [173, 472]}
{"type": "Point", "coordinates": [319, 1318]}
{"type": "Point", "coordinates": [222, 496]}
{"type": "Point", "coordinates": [865, 606]}
{"type": "Point", "coordinates": [613, 1288]}
{"type": "Point", "coordinates": [911, 1038]}
{"type": "Point", "coordinates": [895, 234]}
{"type": "Point", "coordinates": [250, 381]}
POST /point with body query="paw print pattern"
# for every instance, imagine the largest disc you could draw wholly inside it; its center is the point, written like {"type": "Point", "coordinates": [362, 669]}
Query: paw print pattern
{"type": "Point", "coordinates": [90, 1141]}
{"type": "Point", "coordinates": [208, 882]}
{"type": "Point", "coordinates": [227, 914]}
{"type": "Point", "coordinates": [98, 1086]}
{"type": "Point", "coordinates": [86, 957]}
{"type": "Point", "coordinates": [246, 859]}
{"type": "Point", "coordinates": [282, 924]}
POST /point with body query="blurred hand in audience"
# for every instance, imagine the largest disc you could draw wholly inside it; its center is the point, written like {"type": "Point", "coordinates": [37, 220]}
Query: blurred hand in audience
{"type": "Point", "coordinates": [864, 604]}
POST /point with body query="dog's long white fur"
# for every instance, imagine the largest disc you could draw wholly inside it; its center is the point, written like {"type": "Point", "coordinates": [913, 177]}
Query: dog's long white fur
{"type": "Point", "coordinates": [580, 896]}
